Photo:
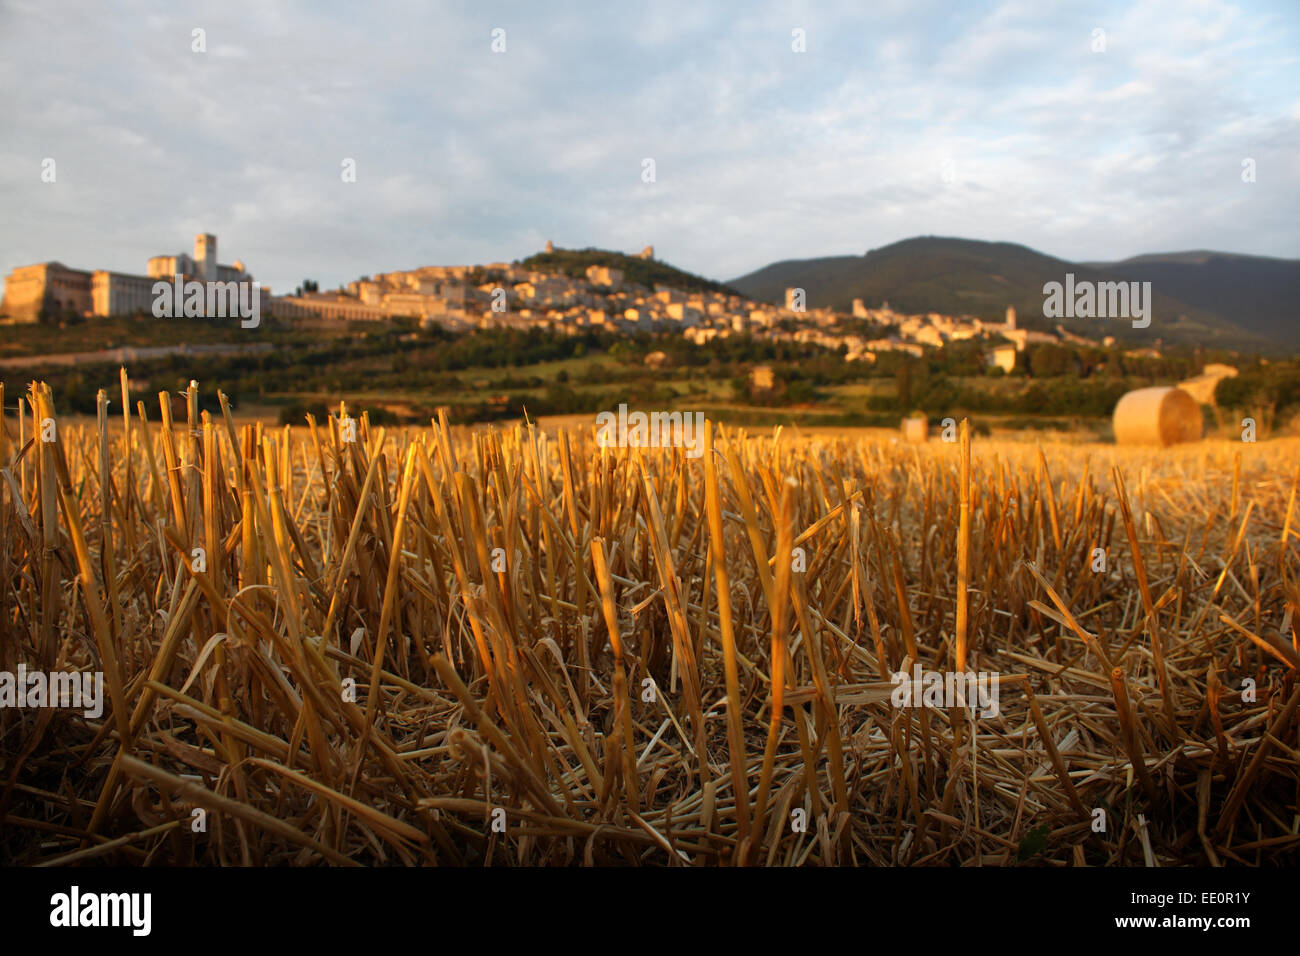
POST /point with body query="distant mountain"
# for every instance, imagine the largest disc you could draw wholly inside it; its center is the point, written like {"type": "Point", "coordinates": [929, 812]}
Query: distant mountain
{"type": "Point", "coordinates": [1198, 297]}
{"type": "Point", "coordinates": [1261, 295]}
{"type": "Point", "coordinates": [646, 272]}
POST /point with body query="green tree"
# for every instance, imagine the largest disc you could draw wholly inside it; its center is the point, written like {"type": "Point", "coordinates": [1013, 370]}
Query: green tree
{"type": "Point", "coordinates": [1048, 361]}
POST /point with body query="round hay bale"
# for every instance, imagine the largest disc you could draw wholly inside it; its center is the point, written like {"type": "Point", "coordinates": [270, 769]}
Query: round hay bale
{"type": "Point", "coordinates": [916, 430]}
{"type": "Point", "coordinates": [1157, 416]}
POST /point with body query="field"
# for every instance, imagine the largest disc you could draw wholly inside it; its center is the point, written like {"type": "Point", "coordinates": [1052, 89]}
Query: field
{"type": "Point", "coordinates": [508, 646]}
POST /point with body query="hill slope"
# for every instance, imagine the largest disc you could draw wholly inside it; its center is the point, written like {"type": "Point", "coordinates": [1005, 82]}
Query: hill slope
{"type": "Point", "coordinates": [1262, 295]}
{"type": "Point", "coordinates": [963, 276]}
{"type": "Point", "coordinates": [646, 272]}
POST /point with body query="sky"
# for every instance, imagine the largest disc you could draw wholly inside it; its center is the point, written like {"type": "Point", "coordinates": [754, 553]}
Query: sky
{"type": "Point", "coordinates": [1088, 131]}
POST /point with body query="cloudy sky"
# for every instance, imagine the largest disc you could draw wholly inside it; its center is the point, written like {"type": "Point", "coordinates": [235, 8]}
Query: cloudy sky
{"type": "Point", "coordinates": [983, 120]}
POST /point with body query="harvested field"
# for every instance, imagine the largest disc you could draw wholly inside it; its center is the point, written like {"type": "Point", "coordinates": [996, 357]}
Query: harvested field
{"type": "Point", "coordinates": [671, 660]}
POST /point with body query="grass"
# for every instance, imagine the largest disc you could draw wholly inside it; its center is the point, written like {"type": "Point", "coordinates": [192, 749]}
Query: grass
{"type": "Point", "coordinates": [36, 340]}
{"type": "Point", "coordinates": [511, 647]}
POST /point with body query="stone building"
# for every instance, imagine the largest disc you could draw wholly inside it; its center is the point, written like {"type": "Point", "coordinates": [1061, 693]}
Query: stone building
{"type": "Point", "coordinates": [116, 293]}
{"type": "Point", "coordinates": [49, 287]}
{"type": "Point", "coordinates": [202, 265]}
{"type": "Point", "coordinates": [1002, 356]}
{"type": "Point", "coordinates": [605, 276]}
{"type": "Point", "coordinates": [433, 294]}
{"type": "Point", "coordinates": [53, 288]}
{"type": "Point", "coordinates": [327, 306]}
{"type": "Point", "coordinates": [761, 379]}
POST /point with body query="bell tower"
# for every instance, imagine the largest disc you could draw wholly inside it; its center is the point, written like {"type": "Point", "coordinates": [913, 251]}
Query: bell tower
{"type": "Point", "coordinates": [205, 256]}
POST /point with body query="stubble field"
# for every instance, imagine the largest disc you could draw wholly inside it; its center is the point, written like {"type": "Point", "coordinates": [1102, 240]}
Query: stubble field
{"type": "Point", "coordinates": [511, 647]}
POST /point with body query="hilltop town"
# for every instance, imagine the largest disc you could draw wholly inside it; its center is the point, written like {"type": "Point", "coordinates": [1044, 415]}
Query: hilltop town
{"type": "Point", "coordinates": [517, 295]}
{"type": "Point", "coordinates": [530, 295]}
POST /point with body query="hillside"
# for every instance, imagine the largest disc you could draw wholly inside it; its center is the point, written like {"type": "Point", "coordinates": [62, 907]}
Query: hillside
{"type": "Point", "coordinates": [646, 272]}
{"type": "Point", "coordinates": [962, 276]}
{"type": "Point", "coordinates": [1262, 295]}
